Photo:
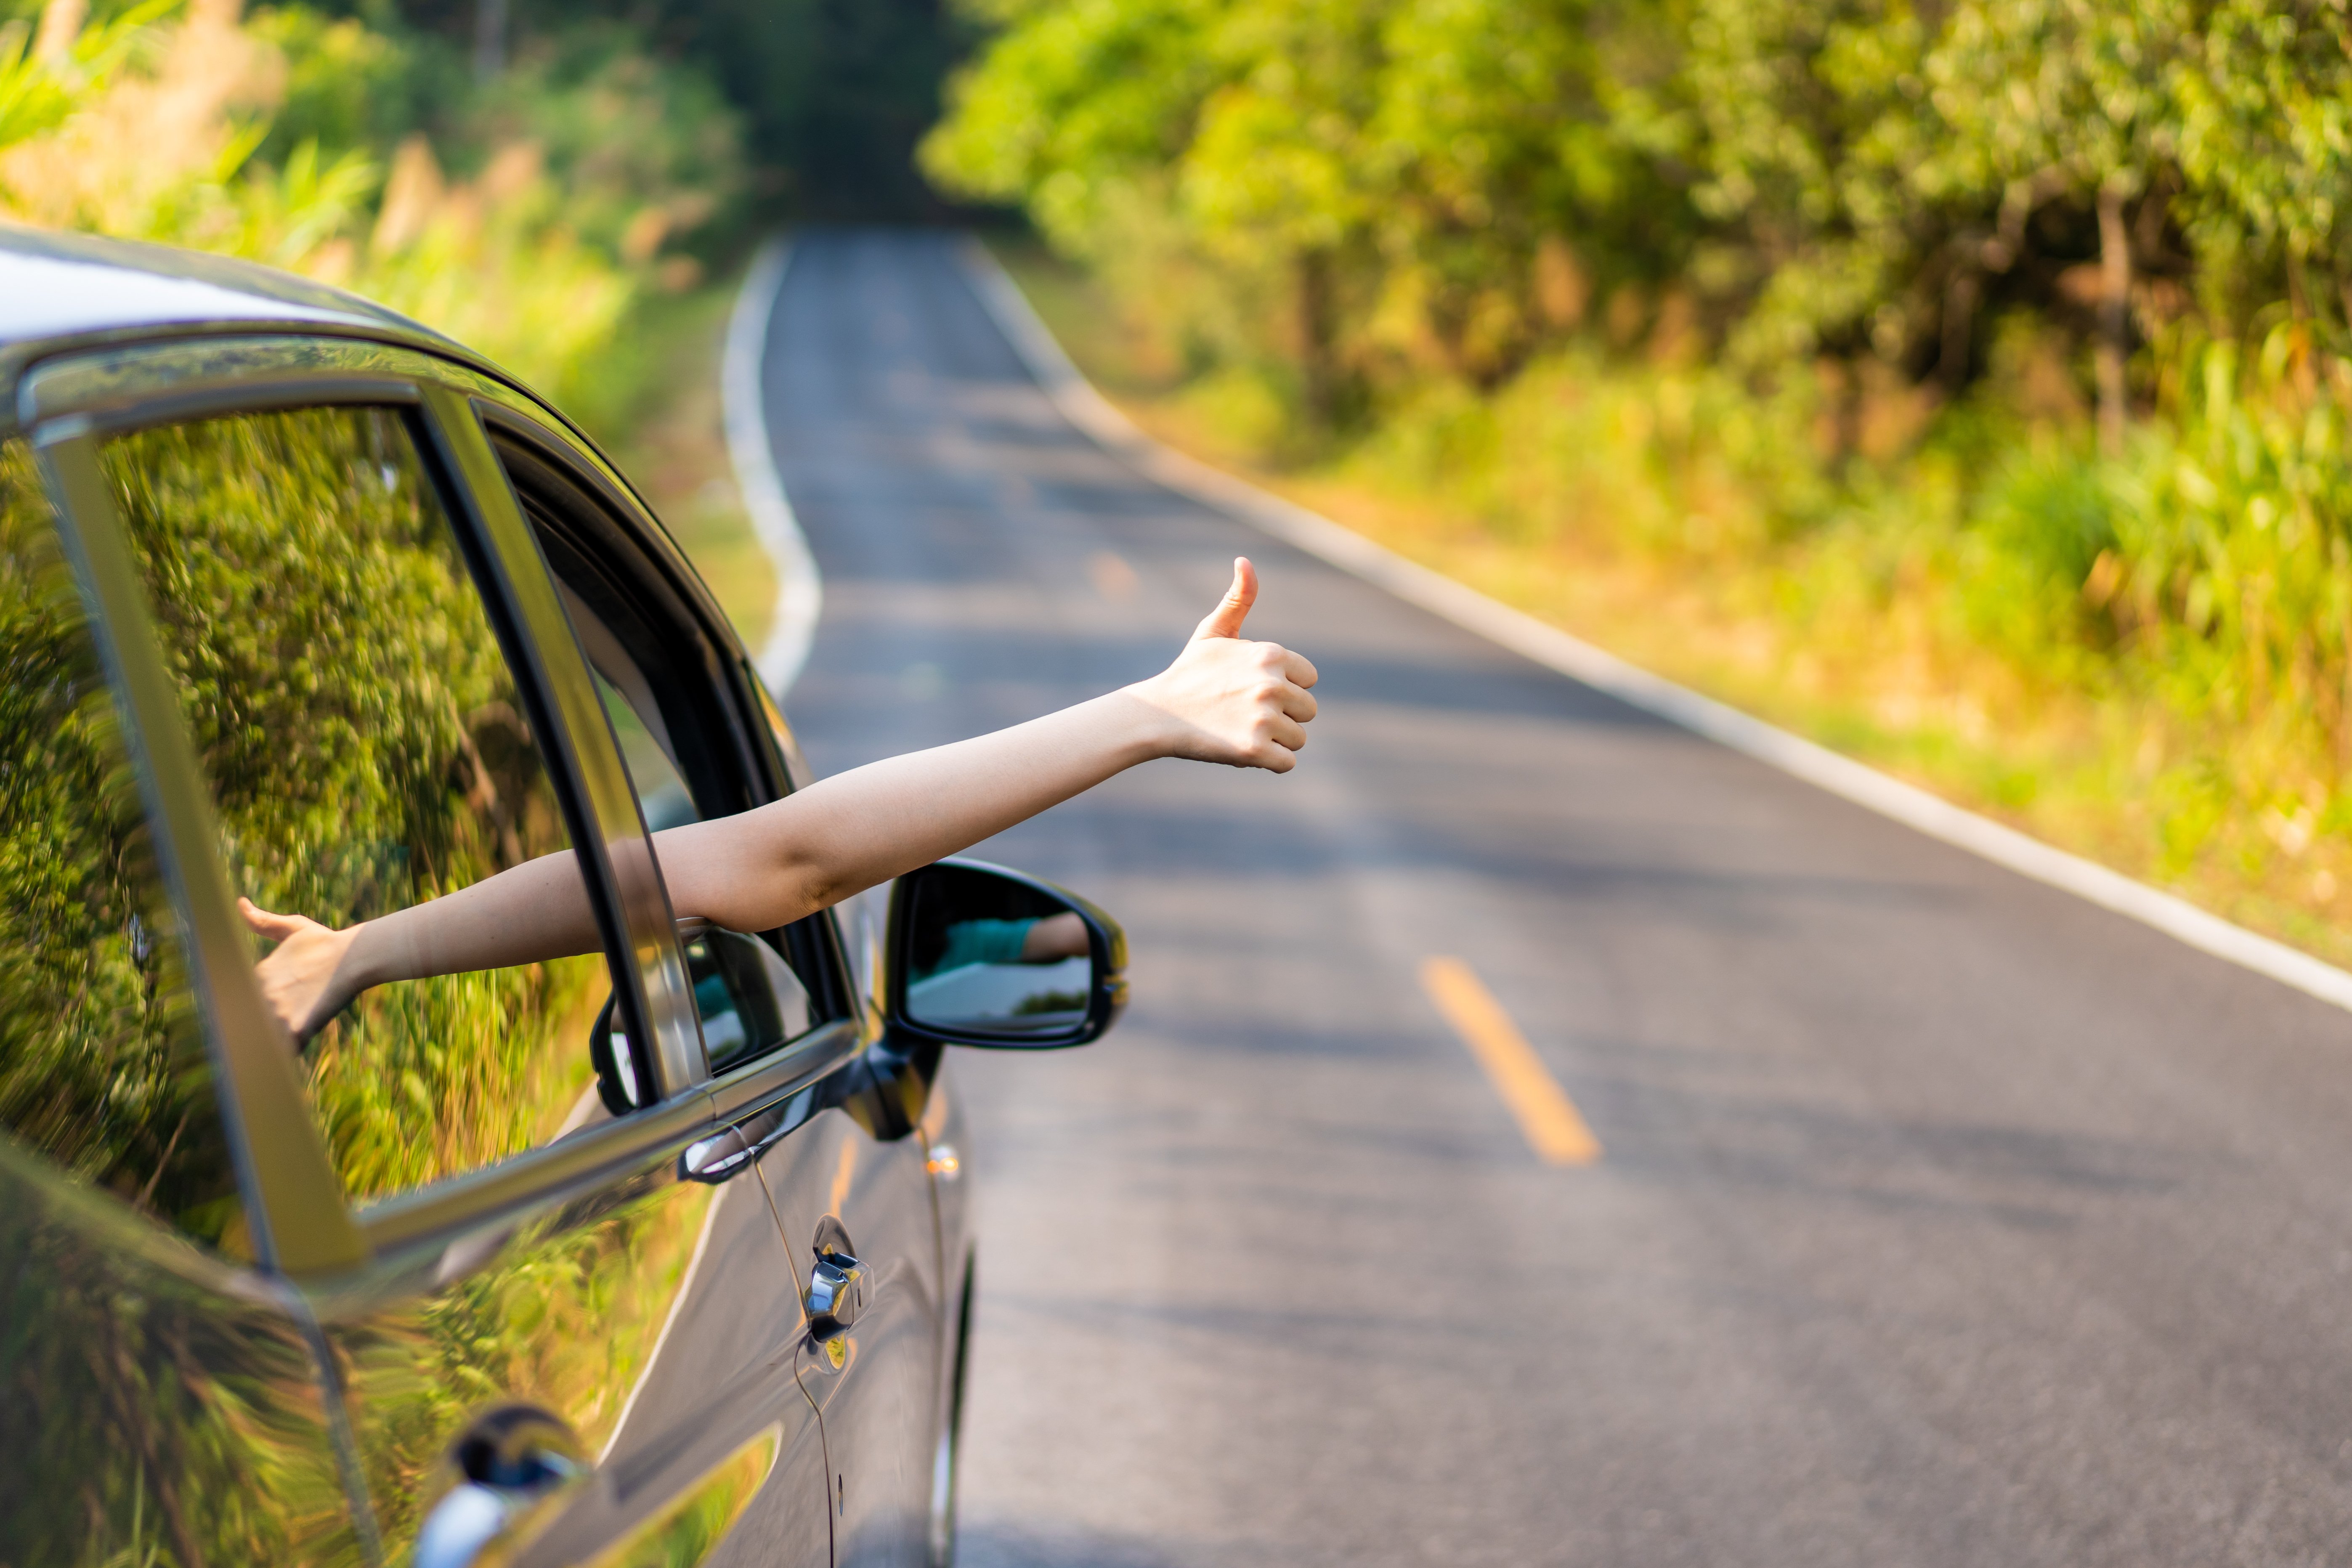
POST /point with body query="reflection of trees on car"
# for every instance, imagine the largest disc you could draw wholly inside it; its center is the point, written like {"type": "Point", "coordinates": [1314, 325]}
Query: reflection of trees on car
{"type": "Point", "coordinates": [368, 750]}
{"type": "Point", "coordinates": [102, 1065]}
{"type": "Point", "coordinates": [145, 1407]}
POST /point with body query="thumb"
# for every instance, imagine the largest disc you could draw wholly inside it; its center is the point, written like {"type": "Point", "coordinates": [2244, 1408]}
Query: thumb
{"type": "Point", "coordinates": [1225, 620]}
{"type": "Point", "coordinates": [277, 928]}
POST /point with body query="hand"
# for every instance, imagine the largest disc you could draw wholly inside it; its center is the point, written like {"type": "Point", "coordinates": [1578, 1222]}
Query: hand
{"type": "Point", "coordinates": [301, 979]}
{"type": "Point", "coordinates": [1242, 703]}
{"type": "Point", "coordinates": [1056, 936]}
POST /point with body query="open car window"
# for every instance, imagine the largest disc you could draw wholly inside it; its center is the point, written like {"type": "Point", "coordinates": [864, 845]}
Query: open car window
{"type": "Point", "coordinates": [688, 752]}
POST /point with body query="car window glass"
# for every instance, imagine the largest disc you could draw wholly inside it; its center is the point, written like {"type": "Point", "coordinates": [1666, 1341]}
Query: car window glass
{"type": "Point", "coordinates": [102, 1065]}
{"type": "Point", "coordinates": [368, 747]}
{"type": "Point", "coordinates": [661, 788]}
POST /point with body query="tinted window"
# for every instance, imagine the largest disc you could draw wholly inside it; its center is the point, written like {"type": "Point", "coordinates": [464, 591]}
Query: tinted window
{"type": "Point", "coordinates": [102, 1066]}
{"type": "Point", "coordinates": [369, 747]}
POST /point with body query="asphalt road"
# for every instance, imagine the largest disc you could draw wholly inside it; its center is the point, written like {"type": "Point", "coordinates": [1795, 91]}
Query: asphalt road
{"type": "Point", "coordinates": [1944, 1218]}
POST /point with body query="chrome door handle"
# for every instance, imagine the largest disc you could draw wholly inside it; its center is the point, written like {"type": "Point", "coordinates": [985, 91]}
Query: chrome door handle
{"type": "Point", "coordinates": [837, 1290]}
{"type": "Point", "coordinates": [499, 1480]}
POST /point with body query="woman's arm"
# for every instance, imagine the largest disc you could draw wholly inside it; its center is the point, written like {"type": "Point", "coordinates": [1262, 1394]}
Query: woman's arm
{"type": "Point", "coordinates": [1223, 700]}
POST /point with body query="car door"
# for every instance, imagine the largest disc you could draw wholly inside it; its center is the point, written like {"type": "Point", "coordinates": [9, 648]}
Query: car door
{"type": "Point", "coordinates": [553, 1334]}
{"type": "Point", "coordinates": [853, 1192]}
{"type": "Point", "coordinates": [844, 1172]}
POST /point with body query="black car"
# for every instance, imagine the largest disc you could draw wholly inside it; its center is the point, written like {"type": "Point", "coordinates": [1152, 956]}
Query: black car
{"type": "Point", "coordinates": [654, 1255]}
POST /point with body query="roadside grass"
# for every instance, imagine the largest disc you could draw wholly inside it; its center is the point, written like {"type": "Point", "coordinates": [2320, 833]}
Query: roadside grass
{"type": "Point", "coordinates": [1876, 633]}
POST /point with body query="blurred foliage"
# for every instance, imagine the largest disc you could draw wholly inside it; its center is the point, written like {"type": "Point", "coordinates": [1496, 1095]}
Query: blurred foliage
{"type": "Point", "coordinates": [361, 732]}
{"type": "Point", "coordinates": [566, 1317]}
{"type": "Point", "coordinates": [524, 216]}
{"type": "Point", "coordinates": [152, 1414]}
{"type": "Point", "coordinates": [832, 95]}
{"type": "Point", "coordinates": [1997, 354]}
{"type": "Point", "coordinates": [367, 750]}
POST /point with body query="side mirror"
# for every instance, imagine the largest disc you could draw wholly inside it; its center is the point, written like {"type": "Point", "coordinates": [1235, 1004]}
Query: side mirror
{"type": "Point", "coordinates": [982, 956]}
{"type": "Point", "coordinates": [747, 999]}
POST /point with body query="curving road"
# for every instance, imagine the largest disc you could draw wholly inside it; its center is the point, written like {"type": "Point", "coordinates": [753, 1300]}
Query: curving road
{"type": "Point", "coordinates": [1944, 1218]}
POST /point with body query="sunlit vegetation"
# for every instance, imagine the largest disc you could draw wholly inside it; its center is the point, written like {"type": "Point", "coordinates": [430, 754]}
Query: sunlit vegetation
{"type": "Point", "coordinates": [366, 749]}
{"type": "Point", "coordinates": [524, 216]}
{"type": "Point", "coordinates": [1965, 385]}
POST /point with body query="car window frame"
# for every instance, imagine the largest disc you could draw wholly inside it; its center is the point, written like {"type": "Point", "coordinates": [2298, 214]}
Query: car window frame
{"type": "Point", "coordinates": [621, 539]}
{"type": "Point", "coordinates": [304, 1225]}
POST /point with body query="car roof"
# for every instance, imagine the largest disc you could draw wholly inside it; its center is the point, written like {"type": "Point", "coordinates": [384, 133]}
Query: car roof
{"type": "Point", "coordinates": [64, 290]}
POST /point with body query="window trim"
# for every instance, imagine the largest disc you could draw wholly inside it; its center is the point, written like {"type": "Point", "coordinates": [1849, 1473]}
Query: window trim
{"type": "Point", "coordinates": [571, 456]}
{"type": "Point", "coordinates": [752, 711]}
{"type": "Point", "coordinates": [635, 912]}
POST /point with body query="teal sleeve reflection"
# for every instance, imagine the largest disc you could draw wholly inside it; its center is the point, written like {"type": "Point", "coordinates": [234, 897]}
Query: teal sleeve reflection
{"type": "Point", "coordinates": [980, 941]}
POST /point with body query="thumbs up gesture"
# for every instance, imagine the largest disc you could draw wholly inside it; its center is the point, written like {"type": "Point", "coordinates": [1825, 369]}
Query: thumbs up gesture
{"type": "Point", "coordinates": [1231, 700]}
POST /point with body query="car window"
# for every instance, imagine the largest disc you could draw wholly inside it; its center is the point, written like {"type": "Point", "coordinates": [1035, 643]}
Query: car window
{"type": "Point", "coordinates": [369, 747]}
{"type": "Point", "coordinates": [103, 1063]}
{"type": "Point", "coordinates": [688, 755]}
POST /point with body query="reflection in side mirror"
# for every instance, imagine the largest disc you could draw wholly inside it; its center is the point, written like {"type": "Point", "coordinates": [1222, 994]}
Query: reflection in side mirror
{"type": "Point", "coordinates": [982, 956]}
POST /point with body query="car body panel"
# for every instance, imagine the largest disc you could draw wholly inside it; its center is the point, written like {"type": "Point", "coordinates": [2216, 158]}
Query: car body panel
{"type": "Point", "coordinates": [659, 1318]}
{"type": "Point", "coordinates": [154, 1398]}
{"type": "Point", "coordinates": [876, 1382]}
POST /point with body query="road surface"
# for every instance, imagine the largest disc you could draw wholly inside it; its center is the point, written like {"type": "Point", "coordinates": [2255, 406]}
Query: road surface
{"type": "Point", "coordinates": [1944, 1219]}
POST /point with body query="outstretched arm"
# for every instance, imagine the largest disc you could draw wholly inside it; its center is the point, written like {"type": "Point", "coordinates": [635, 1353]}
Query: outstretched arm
{"type": "Point", "coordinates": [1224, 700]}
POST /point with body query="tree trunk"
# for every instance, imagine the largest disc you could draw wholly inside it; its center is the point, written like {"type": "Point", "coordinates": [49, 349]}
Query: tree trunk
{"type": "Point", "coordinates": [1953, 354]}
{"type": "Point", "coordinates": [1316, 335]}
{"type": "Point", "coordinates": [489, 39]}
{"type": "Point", "coordinates": [2115, 318]}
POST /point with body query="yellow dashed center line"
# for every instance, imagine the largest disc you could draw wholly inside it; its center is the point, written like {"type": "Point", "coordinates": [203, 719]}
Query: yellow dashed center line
{"type": "Point", "coordinates": [1547, 1116]}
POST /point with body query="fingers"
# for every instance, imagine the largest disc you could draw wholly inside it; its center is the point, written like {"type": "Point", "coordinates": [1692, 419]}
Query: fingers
{"type": "Point", "coordinates": [1299, 669]}
{"type": "Point", "coordinates": [1225, 620]}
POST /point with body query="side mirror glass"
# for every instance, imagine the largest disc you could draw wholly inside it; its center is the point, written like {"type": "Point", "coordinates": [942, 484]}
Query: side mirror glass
{"type": "Point", "coordinates": [984, 956]}
{"type": "Point", "coordinates": [748, 998]}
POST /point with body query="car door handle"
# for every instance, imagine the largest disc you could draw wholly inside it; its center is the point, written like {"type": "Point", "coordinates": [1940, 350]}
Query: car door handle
{"type": "Point", "coordinates": [837, 1290]}
{"type": "Point", "coordinates": [502, 1480]}
{"type": "Point", "coordinates": [837, 1284]}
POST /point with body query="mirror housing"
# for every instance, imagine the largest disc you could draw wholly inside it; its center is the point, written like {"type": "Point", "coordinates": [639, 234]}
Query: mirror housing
{"type": "Point", "coordinates": [979, 955]}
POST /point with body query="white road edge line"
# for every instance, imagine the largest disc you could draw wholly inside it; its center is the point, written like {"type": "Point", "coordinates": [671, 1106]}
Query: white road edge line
{"type": "Point", "coordinates": [1523, 634]}
{"type": "Point", "coordinates": [676, 1305]}
{"type": "Point", "coordinates": [800, 591]}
